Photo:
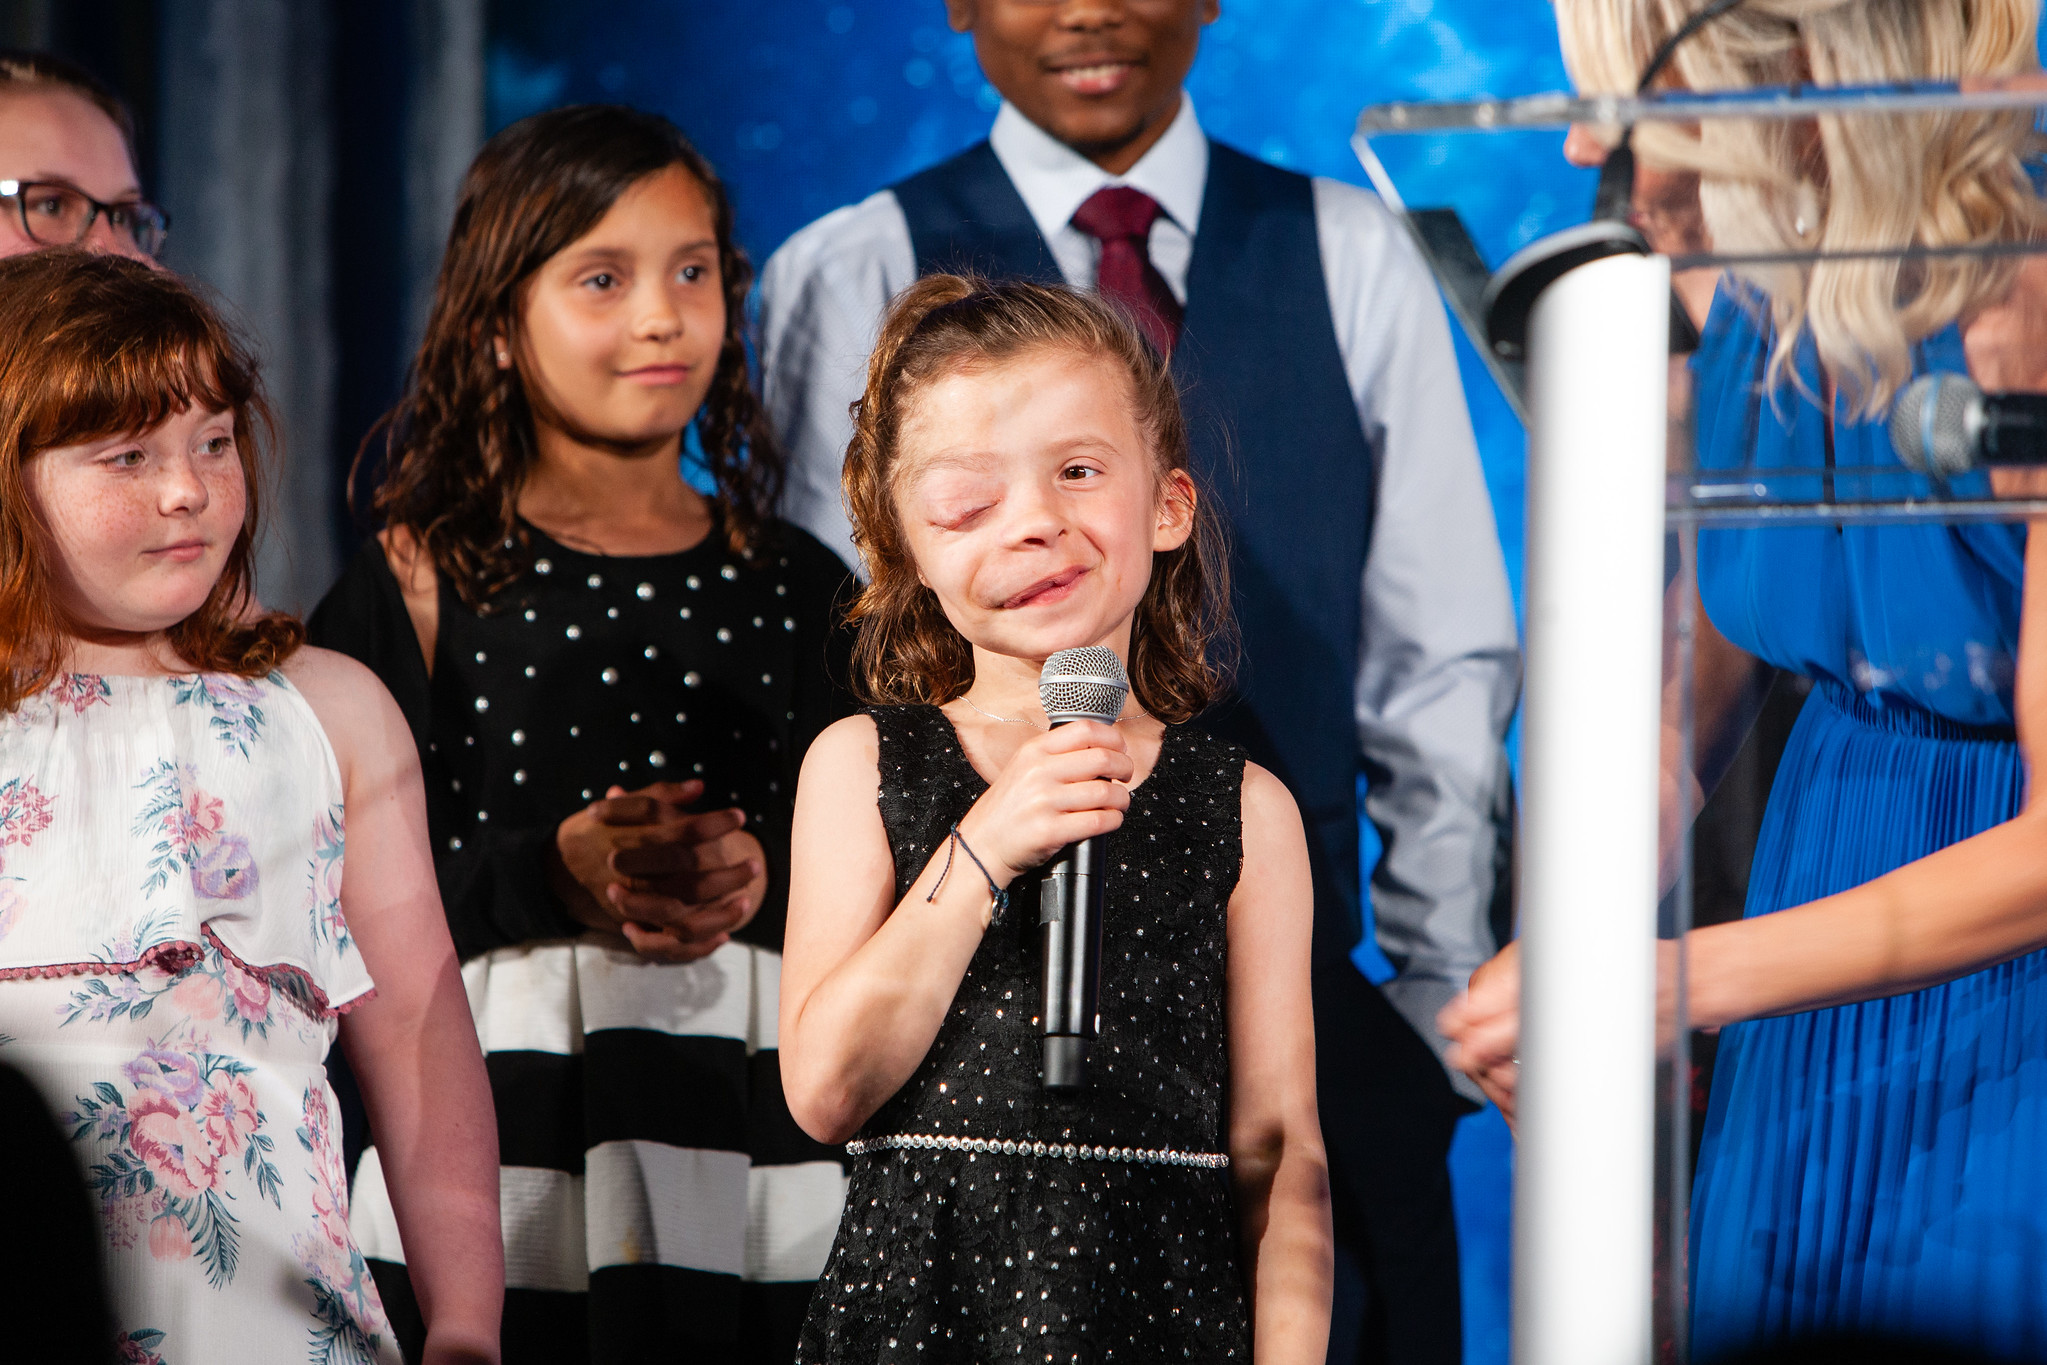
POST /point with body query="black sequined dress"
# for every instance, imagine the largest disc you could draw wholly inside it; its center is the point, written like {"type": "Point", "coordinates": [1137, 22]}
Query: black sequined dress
{"type": "Point", "coordinates": [949, 1254]}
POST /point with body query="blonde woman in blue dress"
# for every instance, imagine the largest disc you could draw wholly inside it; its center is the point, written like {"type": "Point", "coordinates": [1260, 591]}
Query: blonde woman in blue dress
{"type": "Point", "coordinates": [1875, 1155]}
{"type": "Point", "coordinates": [181, 937]}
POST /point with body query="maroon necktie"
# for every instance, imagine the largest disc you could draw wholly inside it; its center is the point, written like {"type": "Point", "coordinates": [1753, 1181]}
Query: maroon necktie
{"type": "Point", "coordinates": [1120, 218]}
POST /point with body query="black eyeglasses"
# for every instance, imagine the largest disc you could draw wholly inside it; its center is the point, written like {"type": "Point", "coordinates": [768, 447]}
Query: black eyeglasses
{"type": "Point", "coordinates": [56, 214]}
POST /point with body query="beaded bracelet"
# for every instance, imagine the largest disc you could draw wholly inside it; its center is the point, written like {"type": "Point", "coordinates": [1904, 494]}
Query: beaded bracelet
{"type": "Point", "coordinates": [999, 896]}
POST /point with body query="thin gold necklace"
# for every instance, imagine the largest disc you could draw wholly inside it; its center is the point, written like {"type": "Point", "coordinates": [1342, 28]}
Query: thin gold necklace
{"type": "Point", "coordinates": [1022, 720]}
{"type": "Point", "coordinates": [1006, 720]}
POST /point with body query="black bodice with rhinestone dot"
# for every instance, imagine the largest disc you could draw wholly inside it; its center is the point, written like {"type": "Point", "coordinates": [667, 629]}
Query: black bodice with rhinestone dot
{"type": "Point", "coordinates": [958, 1256]}
{"type": "Point", "coordinates": [595, 670]}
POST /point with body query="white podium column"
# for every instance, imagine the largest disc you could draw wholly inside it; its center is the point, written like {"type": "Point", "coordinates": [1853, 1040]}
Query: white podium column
{"type": "Point", "coordinates": [1598, 347]}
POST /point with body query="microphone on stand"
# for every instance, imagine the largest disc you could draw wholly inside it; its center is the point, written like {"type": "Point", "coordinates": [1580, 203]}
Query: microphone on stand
{"type": "Point", "coordinates": [1943, 426]}
{"type": "Point", "coordinates": [1075, 684]}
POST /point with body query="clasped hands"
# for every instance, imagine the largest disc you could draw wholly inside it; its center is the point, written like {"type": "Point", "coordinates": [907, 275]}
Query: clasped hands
{"type": "Point", "coordinates": [675, 884]}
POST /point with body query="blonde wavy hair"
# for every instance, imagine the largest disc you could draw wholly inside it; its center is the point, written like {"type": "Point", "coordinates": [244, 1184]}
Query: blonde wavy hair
{"type": "Point", "coordinates": [1840, 183]}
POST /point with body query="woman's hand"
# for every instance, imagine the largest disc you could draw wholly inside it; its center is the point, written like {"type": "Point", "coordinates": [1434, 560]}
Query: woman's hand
{"type": "Point", "coordinates": [675, 884]}
{"type": "Point", "coordinates": [1484, 1028]}
{"type": "Point", "coordinates": [1484, 1024]}
{"type": "Point", "coordinates": [1068, 784]}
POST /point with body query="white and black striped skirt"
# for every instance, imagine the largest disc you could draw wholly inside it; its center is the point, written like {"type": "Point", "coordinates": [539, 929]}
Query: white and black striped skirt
{"type": "Point", "coordinates": [658, 1200]}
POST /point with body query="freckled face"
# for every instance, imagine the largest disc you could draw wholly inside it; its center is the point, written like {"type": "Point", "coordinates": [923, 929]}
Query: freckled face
{"type": "Point", "coordinates": [139, 527]}
{"type": "Point", "coordinates": [1031, 505]}
{"type": "Point", "coordinates": [621, 328]}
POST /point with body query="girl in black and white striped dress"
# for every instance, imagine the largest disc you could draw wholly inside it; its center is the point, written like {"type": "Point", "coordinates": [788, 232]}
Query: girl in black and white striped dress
{"type": "Point", "coordinates": [612, 678]}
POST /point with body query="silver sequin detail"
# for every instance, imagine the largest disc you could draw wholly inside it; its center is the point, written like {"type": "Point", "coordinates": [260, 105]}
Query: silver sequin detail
{"type": "Point", "coordinates": [1149, 1156]}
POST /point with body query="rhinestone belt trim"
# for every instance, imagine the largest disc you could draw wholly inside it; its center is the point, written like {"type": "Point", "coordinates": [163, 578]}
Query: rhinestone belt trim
{"type": "Point", "coordinates": [1069, 1151]}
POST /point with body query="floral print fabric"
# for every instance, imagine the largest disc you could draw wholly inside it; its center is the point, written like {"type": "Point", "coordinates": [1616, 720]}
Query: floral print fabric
{"type": "Point", "coordinates": [155, 814]}
{"type": "Point", "coordinates": [172, 960]}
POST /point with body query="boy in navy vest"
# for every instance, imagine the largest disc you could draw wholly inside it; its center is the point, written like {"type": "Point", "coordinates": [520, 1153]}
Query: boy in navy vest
{"type": "Point", "coordinates": [1328, 418]}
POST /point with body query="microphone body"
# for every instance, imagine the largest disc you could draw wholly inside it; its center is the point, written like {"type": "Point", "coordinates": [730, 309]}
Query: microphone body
{"type": "Point", "coordinates": [2014, 428]}
{"type": "Point", "coordinates": [1070, 930]}
{"type": "Point", "coordinates": [1944, 426]}
{"type": "Point", "coordinates": [1076, 684]}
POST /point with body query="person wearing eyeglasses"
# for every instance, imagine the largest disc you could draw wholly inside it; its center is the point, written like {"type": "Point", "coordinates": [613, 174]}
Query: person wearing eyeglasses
{"type": "Point", "coordinates": [67, 163]}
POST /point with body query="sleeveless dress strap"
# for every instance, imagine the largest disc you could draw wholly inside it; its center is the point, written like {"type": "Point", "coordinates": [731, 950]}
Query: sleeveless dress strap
{"type": "Point", "coordinates": [925, 783]}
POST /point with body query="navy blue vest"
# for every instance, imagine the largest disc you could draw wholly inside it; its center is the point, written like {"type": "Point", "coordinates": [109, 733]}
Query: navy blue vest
{"type": "Point", "coordinates": [1277, 442]}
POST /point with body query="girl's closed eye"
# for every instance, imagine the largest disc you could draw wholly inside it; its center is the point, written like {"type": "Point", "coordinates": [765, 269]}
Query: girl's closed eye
{"type": "Point", "coordinates": [953, 502]}
{"type": "Point", "coordinates": [960, 514]}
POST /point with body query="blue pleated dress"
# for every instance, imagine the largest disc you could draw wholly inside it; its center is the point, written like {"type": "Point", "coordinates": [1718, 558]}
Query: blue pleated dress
{"type": "Point", "coordinates": [1879, 1167]}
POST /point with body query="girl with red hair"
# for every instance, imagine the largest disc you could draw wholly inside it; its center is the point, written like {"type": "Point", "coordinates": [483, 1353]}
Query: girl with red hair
{"type": "Point", "coordinates": [181, 937]}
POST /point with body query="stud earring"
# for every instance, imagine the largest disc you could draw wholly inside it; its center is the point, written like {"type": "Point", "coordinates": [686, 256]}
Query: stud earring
{"type": "Point", "coordinates": [504, 359]}
{"type": "Point", "coordinates": [1805, 210]}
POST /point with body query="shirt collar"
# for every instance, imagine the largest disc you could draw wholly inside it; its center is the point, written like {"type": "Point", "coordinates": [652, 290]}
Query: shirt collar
{"type": "Point", "coordinates": [1054, 180]}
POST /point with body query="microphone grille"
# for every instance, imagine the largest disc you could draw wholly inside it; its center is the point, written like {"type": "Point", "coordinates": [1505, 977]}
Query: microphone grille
{"type": "Point", "coordinates": [1083, 684]}
{"type": "Point", "coordinates": [1930, 425]}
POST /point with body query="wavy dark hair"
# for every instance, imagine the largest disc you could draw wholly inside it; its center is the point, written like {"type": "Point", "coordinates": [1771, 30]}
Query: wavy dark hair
{"type": "Point", "coordinates": [456, 448]}
{"type": "Point", "coordinates": [1184, 640]}
{"type": "Point", "coordinates": [97, 346]}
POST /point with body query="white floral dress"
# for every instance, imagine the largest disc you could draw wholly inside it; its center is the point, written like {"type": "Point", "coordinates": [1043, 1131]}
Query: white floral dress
{"type": "Point", "coordinates": [173, 960]}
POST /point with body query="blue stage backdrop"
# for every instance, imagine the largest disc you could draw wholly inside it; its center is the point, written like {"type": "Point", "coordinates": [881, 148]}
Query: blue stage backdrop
{"type": "Point", "coordinates": [805, 105]}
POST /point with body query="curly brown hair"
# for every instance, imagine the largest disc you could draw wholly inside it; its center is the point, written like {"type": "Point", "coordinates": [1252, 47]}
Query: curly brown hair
{"type": "Point", "coordinates": [457, 447]}
{"type": "Point", "coordinates": [1184, 638]}
{"type": "Point", "coordinates": [98, 346]}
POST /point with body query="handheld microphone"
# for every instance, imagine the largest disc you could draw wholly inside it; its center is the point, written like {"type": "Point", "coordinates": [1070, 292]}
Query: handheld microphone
{"type": "Point", "coordinates": [1943, 425]}
{"type": "Point", "coordinates": [1075, 684]}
